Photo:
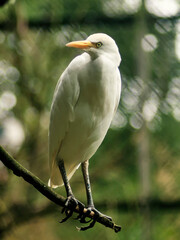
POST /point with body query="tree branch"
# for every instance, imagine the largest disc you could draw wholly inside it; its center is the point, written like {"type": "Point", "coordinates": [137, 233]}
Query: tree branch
{"type": "Point", "coordinates": [29, 177]}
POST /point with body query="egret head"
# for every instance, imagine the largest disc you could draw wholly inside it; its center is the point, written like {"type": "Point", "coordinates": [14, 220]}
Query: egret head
{"type": "Point", "coordinates": [99, 44]}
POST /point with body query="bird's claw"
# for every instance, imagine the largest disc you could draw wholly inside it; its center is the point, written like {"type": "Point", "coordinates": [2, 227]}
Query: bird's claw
{"type": "Point", "coordinates": [68, 215]}
{"type": "Point", "coordinates": [69, 206]}
{"type": "Point", "coordinates": [82, 217]}
{"type": "Point", "coordinates": [101, 214]}
{"type": "Point", "coordinates": [91, 225]}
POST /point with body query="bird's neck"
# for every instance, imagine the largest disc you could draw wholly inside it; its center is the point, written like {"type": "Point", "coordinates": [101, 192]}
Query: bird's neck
{"type": "Point", "coordinates": [115, 58]}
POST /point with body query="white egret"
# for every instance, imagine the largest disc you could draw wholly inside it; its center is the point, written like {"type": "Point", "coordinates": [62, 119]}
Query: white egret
{"type": "Point", "coordinates": [84, 103]}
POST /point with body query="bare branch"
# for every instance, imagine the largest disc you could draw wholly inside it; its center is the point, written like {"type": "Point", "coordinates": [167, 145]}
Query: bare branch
{"type": "Point", "coordinates": [29, 177]}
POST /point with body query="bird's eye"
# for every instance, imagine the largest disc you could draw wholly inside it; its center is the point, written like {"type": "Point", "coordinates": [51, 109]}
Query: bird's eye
{"type": "Point", "coordinates": [99, 44]}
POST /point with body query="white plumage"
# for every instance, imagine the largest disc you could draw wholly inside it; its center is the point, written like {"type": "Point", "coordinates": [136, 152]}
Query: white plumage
{"type": "Point", "coordinates": [84, 103]}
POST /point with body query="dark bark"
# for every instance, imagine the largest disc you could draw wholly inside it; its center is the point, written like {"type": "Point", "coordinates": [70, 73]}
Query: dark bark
{"type": "Point", "coordinates": [29, 177]}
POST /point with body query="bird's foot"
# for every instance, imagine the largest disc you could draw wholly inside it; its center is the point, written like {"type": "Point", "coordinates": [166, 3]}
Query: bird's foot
{"type": "Point", "coordinates": [97, 214]}
{"type": "Point", "coordinates": [69, 207]}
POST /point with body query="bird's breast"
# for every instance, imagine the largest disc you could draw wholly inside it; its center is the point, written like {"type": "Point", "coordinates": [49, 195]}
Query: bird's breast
{"type": "Point", "coordinates": [97, 99]}
{"type": "Point", "coordinates": [98, 87]}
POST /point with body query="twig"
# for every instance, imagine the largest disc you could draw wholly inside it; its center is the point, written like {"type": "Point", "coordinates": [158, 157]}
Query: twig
{"type": "Point", "coordinates": [29, 177]}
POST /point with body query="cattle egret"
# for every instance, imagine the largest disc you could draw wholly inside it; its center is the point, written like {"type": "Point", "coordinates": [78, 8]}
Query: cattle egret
{"type": "Point", "coordinates": [84, 103]}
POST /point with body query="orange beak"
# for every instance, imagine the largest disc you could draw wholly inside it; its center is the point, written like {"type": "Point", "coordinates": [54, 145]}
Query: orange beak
{"type": "Point", "coordinates": [80, 44]}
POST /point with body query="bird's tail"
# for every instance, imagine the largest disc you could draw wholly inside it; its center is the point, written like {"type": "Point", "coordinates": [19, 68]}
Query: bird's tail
{"type": "Point", "coordinates": [56, 178]}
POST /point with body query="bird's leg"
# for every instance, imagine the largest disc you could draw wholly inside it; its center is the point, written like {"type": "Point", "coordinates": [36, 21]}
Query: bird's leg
{"type": "Point", "coordinates": [71, 202]}
{"type": "Point", "coordinates": [85, 172]}
{"type": "Point", "coordinates": [90, 202]}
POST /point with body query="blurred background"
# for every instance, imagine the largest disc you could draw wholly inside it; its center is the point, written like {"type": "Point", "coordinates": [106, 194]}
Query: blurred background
{"type": "Point", "coordinates": [135, 174]}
